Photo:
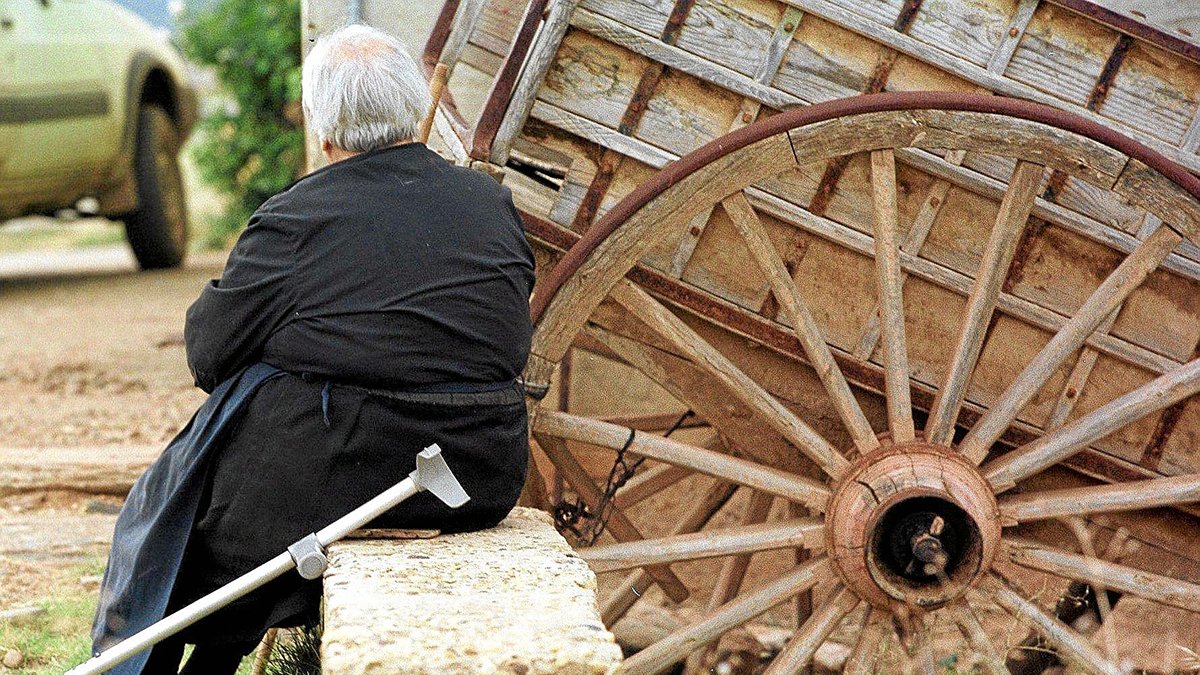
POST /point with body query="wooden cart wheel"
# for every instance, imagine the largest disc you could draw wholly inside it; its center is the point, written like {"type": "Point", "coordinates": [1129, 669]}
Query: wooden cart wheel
{"type": "Point", "coordinates": [906, 525]}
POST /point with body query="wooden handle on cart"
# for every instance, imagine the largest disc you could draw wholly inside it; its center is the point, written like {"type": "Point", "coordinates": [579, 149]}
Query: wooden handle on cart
{"type": "Point", "coordinates": [437, 86]}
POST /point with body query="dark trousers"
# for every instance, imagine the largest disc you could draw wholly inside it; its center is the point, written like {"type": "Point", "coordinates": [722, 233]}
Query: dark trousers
{"type": "Point", "coordinates": [205, 659]}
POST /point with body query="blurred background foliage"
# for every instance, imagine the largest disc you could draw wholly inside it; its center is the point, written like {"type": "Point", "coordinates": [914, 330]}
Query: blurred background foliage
{"type": "Point", "coordinates": [250, 144]}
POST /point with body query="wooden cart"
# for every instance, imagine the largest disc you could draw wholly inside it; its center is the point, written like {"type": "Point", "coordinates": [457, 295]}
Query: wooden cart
{"type": "Point", "coordinates": [902, 298]}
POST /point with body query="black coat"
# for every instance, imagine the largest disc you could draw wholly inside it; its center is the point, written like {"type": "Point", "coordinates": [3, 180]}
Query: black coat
{"type": "Point", "coordinates": [393, 289]}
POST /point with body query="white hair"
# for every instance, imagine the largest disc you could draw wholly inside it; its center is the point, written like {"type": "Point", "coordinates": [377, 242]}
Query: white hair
{"type": "Point", "coordinates": [362, 90]}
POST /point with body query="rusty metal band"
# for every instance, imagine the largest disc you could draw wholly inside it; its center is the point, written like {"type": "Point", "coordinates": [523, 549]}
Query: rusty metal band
{"type": "Point", "coordinates": [1133, 27]}
{"type": "Point", "coordinates": [802, 116]}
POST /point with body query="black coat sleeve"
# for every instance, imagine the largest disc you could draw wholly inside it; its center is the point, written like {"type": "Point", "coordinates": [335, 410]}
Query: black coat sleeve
{"type": "Point", "coordinates": [229, 323]}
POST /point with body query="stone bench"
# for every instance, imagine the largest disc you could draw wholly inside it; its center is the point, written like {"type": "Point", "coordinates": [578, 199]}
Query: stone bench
{"type": "Point", "coordinates": [513, 599]}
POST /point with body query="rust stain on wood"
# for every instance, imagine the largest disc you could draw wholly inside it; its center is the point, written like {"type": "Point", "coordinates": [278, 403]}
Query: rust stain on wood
{"type": "Point", "coordinates": [1152, 455]}
{"type": "Point", "coordinates": [679, 14]}
{"type": "Point", "coordinates": [837, 166]}
{"type": "Point", "coordinates": [1109, 73]}
{"type": "Point", "coordinates": [907, 13]}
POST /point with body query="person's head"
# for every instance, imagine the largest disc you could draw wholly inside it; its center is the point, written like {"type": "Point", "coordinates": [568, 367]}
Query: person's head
{"type": "Point", "coordinates": [362, 91]}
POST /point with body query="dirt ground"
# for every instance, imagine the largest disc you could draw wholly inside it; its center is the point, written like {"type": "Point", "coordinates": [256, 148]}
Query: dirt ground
{"type": "Point", "coordinates": [90, 355]}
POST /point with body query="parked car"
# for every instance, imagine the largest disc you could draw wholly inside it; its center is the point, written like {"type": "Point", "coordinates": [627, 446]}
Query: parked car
{"type": "Point", "coordinates": [94, 103]}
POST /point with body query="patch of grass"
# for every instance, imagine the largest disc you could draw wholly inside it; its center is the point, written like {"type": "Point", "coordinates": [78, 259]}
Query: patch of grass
{"type": "Point", "coordinates": [55, 640]}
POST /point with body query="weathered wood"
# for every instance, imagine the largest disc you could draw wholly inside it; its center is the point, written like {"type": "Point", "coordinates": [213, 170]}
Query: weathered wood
{"type": "Point", "coordinates": [964, 616]}
{"type": "Point", "coordinates": [1078, 379]}
{"type": "Point", "coordinates": [998, 62]}
{"type": "Point", "coordinates": [1115, 289]}
{"type": "Point", "coordinates": [875, 630]}
{"type": "Point", "coordinates": [661, 320]}
{"type": "Point", "coordinates": [537, 64]}
{"type": "Point", "coordinates": [714, 543]}
{"type": "Point", "coordinates": [674, 648]}
{"type": "Point", "coordinates": [708, 462]}
{"type": "Point", "coordinates": [107, 470]}
{"type": "Point", "coordinates": [913, 242]}
{"type": "Point", "coordinates": [1109, 575]}
{"type": "Point", "coordinates": [800, 649]}
{"type": "Point", "coordinates": [1070, 644]}
{"type": "Point", "coordinates": [465, 19]}
{"type": "Point", "coordinates": [891, 297]}
{"type": "Point", "coordinates": [649, 482]}
{"type": "Point", "coordinates": [805, 326]}
{"type": "Point", "coordinates": [1130, 496]}
{"type": "Point", "coordinates": [1056, 446]}
{"type": "Point", "coordinates": [957, 282]}
{"type": "Point", "coordinates": [634, 586]}
{"type": "Point", "coordinates": [1152, 191]}
{"type": "Point", "coordinates": [997, 256]}
{"type": "Point", "coordinates": [619, 525]}
{"type": "Point", "coordinates": [675, 57]}
{"type": "Point", "coordinates": [733, 572]}
{"type": "Point", "coordinates": [958, 66]}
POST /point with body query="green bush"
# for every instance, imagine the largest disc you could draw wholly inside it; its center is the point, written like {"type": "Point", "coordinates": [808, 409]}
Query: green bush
{"type": "Point", "coordinates": [252, 146]}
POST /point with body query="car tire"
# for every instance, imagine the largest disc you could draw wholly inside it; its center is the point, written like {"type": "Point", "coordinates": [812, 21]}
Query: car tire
{"type": "Point", "coordinates": [157, 229]}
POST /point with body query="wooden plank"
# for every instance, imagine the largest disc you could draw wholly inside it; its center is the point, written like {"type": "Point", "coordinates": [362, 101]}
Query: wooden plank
{"type": "Point", "coordinates": [1160, 89]}
{"type": "Point", "coordinates": [1150, 190]}
{"type": "Point", "coordinates": [998, 62]}
{"type": "Point", "coordinates": [785, 30]}
{"type": "Point", "coordinates": [465, 19]}
{"type": "Point", "coordinates": [537, 64]}
{"type": "Point", "coordinates": [971, 29]}
{"type": "Point", "coordinates": [831, 10]}
{"type": "Point", "coordinates": [733, 33]}
{"type": "Point", "coordinates": [1115, 289]}
{"type": "Point", "coordinates": [1166, 390]}
{"type": "Point", "coordinates": [952, 280]}
{"type": "Point", "coordinates": [1078, 379]}
{"type": "Point", "coordinates": [997, 256]}
{"type": "Point", "coordinates": [1062, 54]}
{"type": "Point", "coordinates": [677, 58]}
{"type": "Point", "coordinates": [601, 135]}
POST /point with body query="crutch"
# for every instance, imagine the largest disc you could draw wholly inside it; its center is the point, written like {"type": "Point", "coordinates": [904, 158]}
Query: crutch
{"type": "Point", "coordinates": [306, 555]}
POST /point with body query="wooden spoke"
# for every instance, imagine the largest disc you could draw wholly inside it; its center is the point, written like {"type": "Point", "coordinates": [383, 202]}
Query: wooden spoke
{"type": "Point", "coordinates": [1142, 494]}
{"type": "Point", "coordinates": [1070, 645]}
{"type": "Point", "coordinates": [676, 646]}
{"type": "Point", "coordinates": [891, 296]}
{"type": "Point", "coordinates": [619, 524]}
{"type": "Point", "coordinates": [964, 616]}
{"type": "Point", "coordinates": [800, 649]}
{"type": "Point", "coordinates": [634, 585]}
{"type": "Point", "coordinates": [649, 482]}
{"type": "Point", "coordinates": [1099, 572]}
{"type": "Point", "coordinates": [803, 324]}
{"type": "Point", "coordinates": [688, 342]}
{"type": "Point", "coordinates": [913, 242]}
{"type": "Point", "coordinates": [1162, 392]}
{"type": "Point", "coordinates": [1115, 289]}
{"type": "Point", "coordinates": [734, 570]}
{"type": "Point", "coordinates": [877, 626]}
{"type": "Point", "coordinates": [657, 422]}
{"type": "Point", "coordinates": [806, 533]}
{"type": "Point", "coordinates": [993, 270]}
{"type": "Point", "coordinates": [742, 472]}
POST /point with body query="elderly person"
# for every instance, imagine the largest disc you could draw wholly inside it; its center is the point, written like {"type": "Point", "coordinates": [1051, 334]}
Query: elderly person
{"type": "Point", "coordinates": [387, 295]}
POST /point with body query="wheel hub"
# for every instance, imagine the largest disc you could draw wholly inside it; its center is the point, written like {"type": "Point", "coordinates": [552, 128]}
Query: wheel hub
{"type": "Point", "coordinates": [913, 523]}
